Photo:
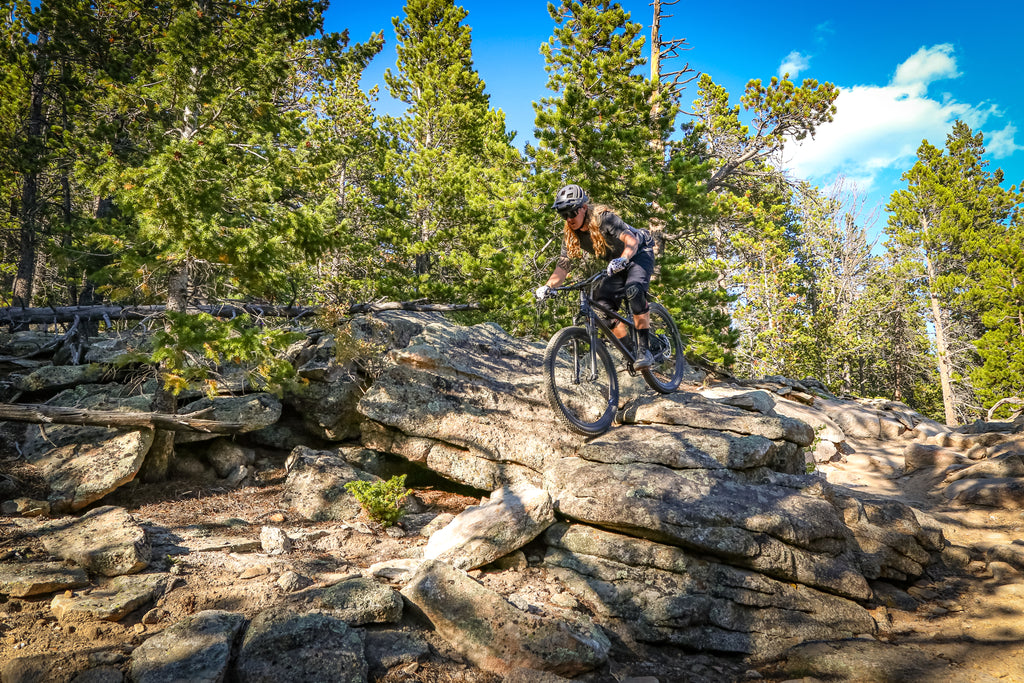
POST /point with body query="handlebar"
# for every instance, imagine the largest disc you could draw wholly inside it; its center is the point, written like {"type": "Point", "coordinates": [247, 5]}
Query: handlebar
{"type": "Point", "coordinates": [600, 275]}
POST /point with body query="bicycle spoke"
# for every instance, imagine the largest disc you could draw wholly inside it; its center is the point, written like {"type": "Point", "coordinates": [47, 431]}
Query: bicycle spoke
{"type": "Point", "coordinates": [582, 386]}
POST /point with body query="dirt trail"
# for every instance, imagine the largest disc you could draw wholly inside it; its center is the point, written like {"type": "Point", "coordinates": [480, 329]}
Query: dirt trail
{"type": "Point", "coordinates": [964, 620]}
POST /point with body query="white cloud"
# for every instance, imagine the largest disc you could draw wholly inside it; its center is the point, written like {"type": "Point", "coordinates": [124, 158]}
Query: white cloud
{"type": "Point", "coordinates": [1000, 144]}
{"type": "Point", "coordinates": [925, 66]}
{"type": "Point", "coordinates": [793, 64]}
{"type": "Point", "coordinates": [877, 129]}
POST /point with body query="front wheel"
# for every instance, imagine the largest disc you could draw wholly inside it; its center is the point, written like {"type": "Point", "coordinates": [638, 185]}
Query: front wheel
{"type": "Point", "coordinates": [582, 386]}
{"type": "Point", "coordinates": [667, 347]}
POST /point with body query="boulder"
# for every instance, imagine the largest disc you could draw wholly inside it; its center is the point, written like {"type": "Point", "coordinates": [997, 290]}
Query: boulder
{"type": "Point", "coordinates": [496, 636]}
{"type": "Point", "coordinates": [358, 601]}
{"type": "Point", "coordinates": [664, 594]}
{"type": "Point", "coordinates": [758, 401]}
{"type": "Point", "coordinates": [41, 439]}
{"type": "Point", "coordinates": [457, 399]}
{"type": "Point", "coordinates": [334, 367]}
{"type": "Point", "coordinates": [328, 401]}
{"type": "Point", "coordinates": [1007, 466]}
{"type": "Point", "coordinates": [58, 377]}
{"type": "Point", "coordinates": [255, 411]}
{"type": "Point", "coordinates": [870, 661]}
{"type": "Point", "coordinates": [991, 492]}
{"type": "Point", "coordinates": [919, 456]}
{"type": "Point", "coordinates": [315, 486]}
{"type": "Point", "coordinates": [226, 456]}
{"type": "Point", "coordinates": [111, 602]}
{"type": "Point", "coordinates": [1011, 444]}
{"type": "Point", "coordinates": [80, 474]}
{"type": "Point", "coordinates": [24, 579]}
{"type": "Point", "coordinates": [387, 648]}
{"type": "Point", "coordinates": [281, 645]}
{"type": "Point", "coordinates": [692, 410]}
{"type": "Point", "coordinates": [856, 421]}
{"type": "Point", "coordinates": [687, 448]}
{"type": "Point", "coordinates": [196, 649]}
{"type": "Point", "coordinates": [511, 518]}
{"type": "Point", "coordinates": [891, 542]}
{"type": "Point", "coordinates": [824, 427]}
{"type": "Point", "coordinates": [783, 532]}
{"type": "Point", "coordinates": [105, 540]}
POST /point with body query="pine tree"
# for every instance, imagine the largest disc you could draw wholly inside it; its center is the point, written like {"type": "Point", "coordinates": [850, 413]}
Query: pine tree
{"type": "Point", "coordinates": [951, 210]}
{"type": "Point", "coordinates": [46, 52]}
{"type": "Point", "coordinates": [448, 170]}
{"type": "Point", "coordinates": [209, 164]}
{"type": "Point", "coordinates": [342, 126]}
{"type": "Point", "coordinates": [606, 128]}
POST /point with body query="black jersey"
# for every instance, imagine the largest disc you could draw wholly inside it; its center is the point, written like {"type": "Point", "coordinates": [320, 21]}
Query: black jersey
{"type": "Point", "coordinates": [613, 228]}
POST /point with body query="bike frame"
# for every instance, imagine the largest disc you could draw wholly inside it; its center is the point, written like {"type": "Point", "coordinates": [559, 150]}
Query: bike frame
{"type": "Point", "coordinates": [595, 323]}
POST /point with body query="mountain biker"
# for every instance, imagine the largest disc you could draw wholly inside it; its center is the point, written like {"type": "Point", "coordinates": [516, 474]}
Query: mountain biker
{"type": "Point", "coordinates": [629, 253]}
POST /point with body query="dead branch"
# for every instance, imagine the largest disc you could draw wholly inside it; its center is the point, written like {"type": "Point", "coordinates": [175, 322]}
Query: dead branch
{"type": "Point", "coordinates": [43, 414]}
{"type": "Point", "coordinates": [1013, 400]}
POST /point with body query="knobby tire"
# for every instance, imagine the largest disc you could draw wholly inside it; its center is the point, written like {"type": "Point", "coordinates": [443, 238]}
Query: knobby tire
{"type": "Point", "coordinates": [584, 404]}
{"type": "Point", "coordinates": [667, 372]}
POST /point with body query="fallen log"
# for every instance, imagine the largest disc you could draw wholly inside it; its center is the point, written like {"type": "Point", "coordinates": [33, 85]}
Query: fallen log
{"type": "Point", "coordinates": [65, 314]}
{"type": "Point", "coordinates": [35, 413]}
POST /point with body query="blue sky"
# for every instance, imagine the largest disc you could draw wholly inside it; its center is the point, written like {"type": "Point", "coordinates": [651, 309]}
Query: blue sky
{"type": "Point", "coordinates": [906, 70]}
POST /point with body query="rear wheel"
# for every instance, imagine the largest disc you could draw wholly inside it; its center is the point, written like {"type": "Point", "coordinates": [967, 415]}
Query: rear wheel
{"type": "Point", "coordinates": [582, 386]}
{"type": "Point", "coordinates": [667, 348]}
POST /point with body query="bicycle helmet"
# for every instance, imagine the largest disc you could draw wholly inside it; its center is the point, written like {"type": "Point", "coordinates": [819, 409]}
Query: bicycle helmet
{"type": "Point", "coordinates": [569, 198]}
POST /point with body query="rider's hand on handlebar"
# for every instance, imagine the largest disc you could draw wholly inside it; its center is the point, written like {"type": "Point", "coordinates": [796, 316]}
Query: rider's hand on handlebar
{"type": "Point", "coordinates": [543, 292]}
{"type": "Point", "coordinates": [616, 265]}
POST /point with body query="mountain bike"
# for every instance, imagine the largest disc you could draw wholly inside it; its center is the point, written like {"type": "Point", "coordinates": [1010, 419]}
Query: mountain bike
{"type": "Point", "coordinates": [582, 384]}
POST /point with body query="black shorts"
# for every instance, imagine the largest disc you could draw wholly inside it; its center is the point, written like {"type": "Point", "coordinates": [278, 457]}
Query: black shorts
{"type": "Point", "coordinates": [638, 274]}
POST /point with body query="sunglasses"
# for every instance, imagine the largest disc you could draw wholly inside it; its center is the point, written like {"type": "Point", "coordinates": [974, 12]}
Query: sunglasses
{"type": "Point", "coordinates": [569, 214]}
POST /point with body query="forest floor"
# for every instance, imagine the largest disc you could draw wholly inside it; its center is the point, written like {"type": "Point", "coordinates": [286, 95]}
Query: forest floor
{"type": "Point", "coordinates": [954, 625]}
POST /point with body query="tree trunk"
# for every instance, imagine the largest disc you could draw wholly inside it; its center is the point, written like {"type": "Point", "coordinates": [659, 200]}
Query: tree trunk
{"type": "Point", "coordinates": [942, 349]}
{"type": "Point", "coordinates": [657, 226]}
{"type": "Point", "coordinates": [161, 453]}
{"type": "Point", "coordinates": [29, 209]}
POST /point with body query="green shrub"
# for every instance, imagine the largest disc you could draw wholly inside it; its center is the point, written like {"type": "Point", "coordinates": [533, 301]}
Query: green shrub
{"type": "Point", "coordinates": [382, 500]}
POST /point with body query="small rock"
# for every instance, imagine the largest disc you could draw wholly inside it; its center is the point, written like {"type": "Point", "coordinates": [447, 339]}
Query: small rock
{"type": "Point", "coordinates": [922, 593]}
{"type": "Point", "coordinates": [253, 572]}
{"type": "Point", "coordinates": [274, 540]}
{"type": "Point", "coordinates": [400, 570]}
{"type": "Point", "coordinates": [1003, 571]}
{"type": "Point", "coordinates": [291, 581]}
{"type": "Point", "coordinates": [26, 507]}
{"type": "Point", "coordinates": [395, 531]}
{"type": "Point", "coordinates": [565, 600]}
{"type": "Point", "coordinates": [154, 616]}
{"type": "Point", "coordinates": [236, 476]}
{"type": "Point", "coordinates": [515, 561]}
{"type": "Point", "coordinates": [436, 524]}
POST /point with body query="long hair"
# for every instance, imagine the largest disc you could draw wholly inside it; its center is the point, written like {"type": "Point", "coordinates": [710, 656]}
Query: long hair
{"type": "Point", "coordinates": [592, 222]}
